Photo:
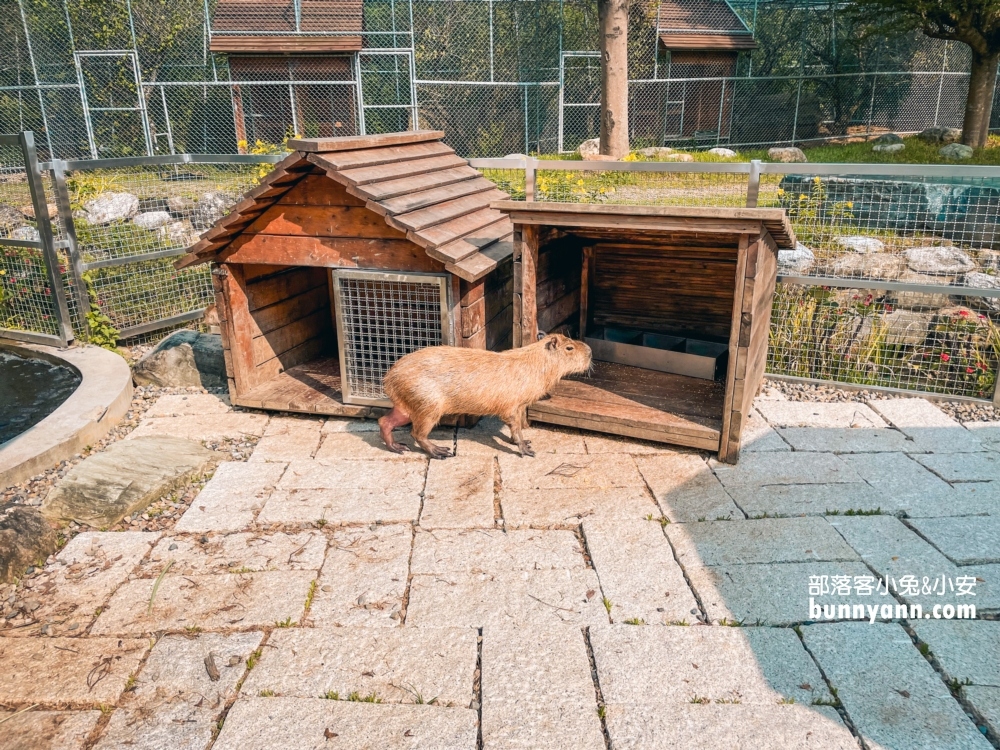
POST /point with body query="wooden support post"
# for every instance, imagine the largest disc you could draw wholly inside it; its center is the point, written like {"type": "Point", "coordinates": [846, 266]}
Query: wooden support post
{"type": "Point", "coordinates": [239, 326]}
{"type": "Point", "coordinates": [726, 453]}
{"type": "Point", "coordinates": [585, 263]}
{"type": "Point", "coordinates": [529, 265]}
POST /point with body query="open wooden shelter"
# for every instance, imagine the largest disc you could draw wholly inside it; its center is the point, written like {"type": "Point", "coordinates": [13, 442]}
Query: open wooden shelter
{"type": "Point", "coordinates": [351, 253]}
{"type": "Point", "coordinates": [674, 301]}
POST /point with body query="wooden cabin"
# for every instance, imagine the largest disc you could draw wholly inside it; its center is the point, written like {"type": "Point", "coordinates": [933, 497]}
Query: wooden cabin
{"type": "Point", "coordinates": [351, 253]}
{"type": "Point", "coordinates": [675, 303]}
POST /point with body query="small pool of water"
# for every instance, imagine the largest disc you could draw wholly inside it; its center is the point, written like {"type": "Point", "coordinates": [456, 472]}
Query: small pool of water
{"type": "Point", "coordinates": [30, 390]}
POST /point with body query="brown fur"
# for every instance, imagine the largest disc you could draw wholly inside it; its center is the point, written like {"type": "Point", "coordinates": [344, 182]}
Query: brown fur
{"type": "Point", "coordinates": [429, 383]}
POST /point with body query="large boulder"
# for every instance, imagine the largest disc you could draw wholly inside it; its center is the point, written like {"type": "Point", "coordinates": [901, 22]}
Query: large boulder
{"type": "Point", "coordinates": [956, 151]}
{"type": "Point", "coordinates": [888, 148]}
{"type": "Point", "coordinates": [726, 153]}
{"type": "Point", "coordinates": [888, 139]}
{"type": "Point", "coordinates": [796, 261]}
{"type": "Point", "coordinates": [180, 233]}
{"type": "Point", "coordinates": [882, 266]}
{"type": "Point", "coordinates": [183, 359]}
{"type": "Point", "coordinates": [861, 244]}
{"type": "Point", "coordinates": [107, 486]}
{"type": "Point", "coordinates": [786, 154]}
{"type": "Point", "coordinates": [26, 233]}
{"type": "Point", "coordinates": [921, 300]}
{"type": "Point", "coordinates": [590, 147]}
{"type": "Point", "coordinates": [939, 261]}
{"type": "Point", "coordinates": [26, 539]}
{"type": "Point", "coordinates": [977, 280]}
{"type": "Point", "coordinates": [210, 208]}
{"type": "Point", "coordinates": [10, 219]}
{"type": "Point", "coordinates": [940, 134]}
{"type": "Point", "coordinates": [901, 327]}
{"type": "Point", "coordinates": [656, 152]}
{"type": "Point", "coordinates": [111, 207]}
{"type": "Point", "coordinates": [152, 219]}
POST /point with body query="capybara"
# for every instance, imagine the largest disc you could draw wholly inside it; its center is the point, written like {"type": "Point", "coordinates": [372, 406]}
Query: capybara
{"type": "Point", "coordinates": [429, 383]}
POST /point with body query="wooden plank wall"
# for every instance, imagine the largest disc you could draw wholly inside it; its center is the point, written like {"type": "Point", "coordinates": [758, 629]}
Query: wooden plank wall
{"type": "Point", "coordinates": [276, 318]}
{"type": "Point", "coordinates": [557, 285]}
{"type": "Point", "coordinates": [751, 352]}
{"type": "Point", "coordinates": [675, 287]}
{"type": "Point", "coordinates": [487, 310]}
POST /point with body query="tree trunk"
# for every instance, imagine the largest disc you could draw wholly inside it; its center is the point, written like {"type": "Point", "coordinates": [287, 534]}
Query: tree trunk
{"type": "Point", "coordinates": [613, 18]}
{"type": "Point", "coordinates": [979, 104]}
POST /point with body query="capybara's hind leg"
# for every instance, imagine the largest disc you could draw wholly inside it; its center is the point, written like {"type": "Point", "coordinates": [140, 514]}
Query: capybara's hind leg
{"type": "Point", "coordinates": [421, 429]}
{"type": "Point", "coordinates": [395, 418]}
{"type": "Point", "coordinates": [514, 422]}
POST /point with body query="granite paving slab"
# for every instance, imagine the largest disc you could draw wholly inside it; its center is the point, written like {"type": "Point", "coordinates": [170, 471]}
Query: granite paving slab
{"type": "Point", "coordinates": [780, 593]}
{"type": "Point", "coordinates": [490, 437]}
{"type": "Point", "coordinates": [810, 499]}
{"type": "Point", "coordinates": [48, 730]}
{"type": "Point", "coordinates": [77, 672]}
{"type": "Point", "coordinates": [768, 540]}
{"type": "Point", "coordinates": [566, 508]}
{"type": "Point", "coordinates": [638, 572]}
{"type": "Point", "coordinates": [759, 666]}
{"type": "Point", "coordinates": [288, 439]}
{"type": "Point", "coordinates": [538, 690]}
{"type": "Point", "coordinates": [599, 443]}
{"type": "Point", "coordinates": [335, 424]}
{"type": "Point", "coordinates": [849, 415]}
{"type": "Point", "coordinates": [368, 446]}
{"type": "Point", "coordinates": [784, 468]}
{"type": "Point", "coordinates": [685, 488]}
{"type": "Point", "coordinates": [726, 727]}
{"type": "Point", "coordinates": [364, 577]}
{"type": "Point", "coordinates": [581, 472]}
{"type": "Point", "coordinates": [986, 702]}
{"type": "Point", "coordinates": [188, 405]}
{"type": "Point", "coordinates": [209, 602]}
{"type": "Point", "coordinates": [988, 433]}
{"type": "Point", "coordinates": [761, 437]}
{"type": "Point", "coordinates": [963, 467]}
{"type": "Point", "coordinates": [243, 552]}
{"type": "Point", "coordinates": [908, 705]}
{"type": "Point", "coordinates": [493, 551]}
{"type": "Point", "coordinates": [966, 650]}
{"type": "Point", "coordinates": [318, 724]}
{"type": "Point", "coordinates": [967, 540]}
{"type": "Point", "coordinates": [340, 506]}
{"type": "Point", "coordinates": [204, 427]}
{"type": "Point", "coordinates": [845, 440]}
{"type": "Point", "coordinates": [459, 494]}
{"type": "Point", "coordinates": [929, 428]}
{"type": "Point", "coordinates": [176, 702]}
{"type": "Point", "coordinates": [232, 497]}
{"type": "Point", "coordinates": [397, 665]}
{"type": "Point", "coordinates": [342, 474]}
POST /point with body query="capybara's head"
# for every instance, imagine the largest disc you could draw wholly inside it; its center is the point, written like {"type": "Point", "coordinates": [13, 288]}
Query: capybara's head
{"type": "Point", "coordinates": [569, 356]}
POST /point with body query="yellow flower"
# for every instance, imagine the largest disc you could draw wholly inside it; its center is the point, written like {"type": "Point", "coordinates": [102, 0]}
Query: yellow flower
{"type": "Point", "coordinates": [579, 182]}
{"type": "Point", "coordinates": [850, 204]}
{"type": "Point", "coordinates": [816, 179]}
{"type": "Point", "coordinates": [802, 196]}
{"type": "Point", "coordinates": [780, 191]}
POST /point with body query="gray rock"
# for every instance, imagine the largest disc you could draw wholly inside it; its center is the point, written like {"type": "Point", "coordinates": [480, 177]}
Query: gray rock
{"type": "Point", "coordinates": [921, 300]}
{"type": "Point", "coordinates": [591, 147]}
{"type": "Point", "coordinates": [180, 204]}
{"type": "Point", "coordinates": [725, 152]}
{"type": "Point", "coordinates": [25, 538]}
{"type": "Point", "coordinates": [180, 233]}
{"type": "Point", "coordinates": [799, 260]}
{"type": "Point", "coordinates": [656, 152]}
{"type": "Point", "coordinates": [978, 280]}
{"type": "Point", "coordinates": [939, 261]}
{"type": "Point", "coordinates": [184, 358]}
{"type": "Point", "coordinates": [957, 151]}
{"type": "Point", "coordinates": [940, 134]}
{"type": "Point", "coordinates": [152, 219]}
{"type": "Point", "coordinates": [860, 244]}
{"type": "Point", "coordinates": [124, 479]}
{"type": "Point", "coordinates": [678, 157]}
{"type": "Point", "coordinates": [29, 234]}
{"type": "Point", "coordinates": [884, 266]}
{"type": "Point", "coordinates": [516, 156]}
{"type": "Point", "coordinates": [111, 207]}
{"type": "Point", "coordinates": [888, 148]}
{"type": "Point", "coordinates": [786, 154]}
{"type": "Point", "coordinates": [904, 327]}
{"type": "Point", "coordinates": [10, 218]}
{"type": "Point", "coordinates": [211, 207]}
{"type": "Point", "coordinates": [887, 139]}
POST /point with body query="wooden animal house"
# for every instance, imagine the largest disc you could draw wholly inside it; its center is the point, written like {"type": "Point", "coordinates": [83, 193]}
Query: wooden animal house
{"type": "Point", "coordinates": [675, 303]}
{"type": "Point", "coordinates": [351, 253]}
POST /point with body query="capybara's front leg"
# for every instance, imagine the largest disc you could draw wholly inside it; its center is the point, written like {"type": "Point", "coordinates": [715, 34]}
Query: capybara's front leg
{"type": "Point", "coordinates": [421, 429]}
{"type": "Point", "coordinates": [395, 418]}
{"type": "Point", "coordinates": [514, 422]}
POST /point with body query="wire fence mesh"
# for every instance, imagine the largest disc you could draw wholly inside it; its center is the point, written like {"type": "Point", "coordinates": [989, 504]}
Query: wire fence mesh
{"type": "Point", "coordinates": [500, 76]}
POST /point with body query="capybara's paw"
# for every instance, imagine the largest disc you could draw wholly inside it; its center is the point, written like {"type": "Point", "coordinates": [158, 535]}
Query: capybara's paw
{"type": "Point", "coordinates": [438, 452]}
{"type": "Point", "coordinates": [526, 449]}
{"type": "Point", "coordinates": [398, 447]}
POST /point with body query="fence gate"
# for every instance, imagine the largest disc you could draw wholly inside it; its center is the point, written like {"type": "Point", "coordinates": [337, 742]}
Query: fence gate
{"type": "Point", "coordinates": [387, 97]}
{"type": "Point", "coordinates": [114, 108]}
{"type": "Point", "coordinates": [579, 98]}
{"type": "Point", "coordinates": [33, 305]}
{"type": "Point", "coordinates": [381, 317]}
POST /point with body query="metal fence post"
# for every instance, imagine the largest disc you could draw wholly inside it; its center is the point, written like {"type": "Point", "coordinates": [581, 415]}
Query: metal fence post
{"type": "Point", "coordinates": [529, 178]}
{"type": "Point", "coordinates": [44, 226]}
{"type": "Point", "coordinates": [72, 248]}
{"type": "Point", "coordinates": [753, 183]}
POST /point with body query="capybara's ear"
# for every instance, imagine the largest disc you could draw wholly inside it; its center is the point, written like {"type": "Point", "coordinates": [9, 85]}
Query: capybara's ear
{"type": "Point", "coordinates": [542, 335]}
{"type": "Point", "coordinates": [552, 344]}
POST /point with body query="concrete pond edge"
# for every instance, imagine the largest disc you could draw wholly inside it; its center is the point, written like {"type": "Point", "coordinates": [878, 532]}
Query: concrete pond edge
{"type": "Point", "coordinates": [99, 402]}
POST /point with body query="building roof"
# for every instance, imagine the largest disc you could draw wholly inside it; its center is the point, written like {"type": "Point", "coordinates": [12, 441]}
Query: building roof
{"type": "Point", "coordinates": [273, 26]}
{"type": "Point", "coordinates": [417, 183]}
{"type": "Point", "coordinates": [702, 25]}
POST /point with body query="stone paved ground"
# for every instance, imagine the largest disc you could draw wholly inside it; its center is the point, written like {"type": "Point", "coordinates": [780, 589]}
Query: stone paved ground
{"type": "Point", "coordinates": [606, 594]}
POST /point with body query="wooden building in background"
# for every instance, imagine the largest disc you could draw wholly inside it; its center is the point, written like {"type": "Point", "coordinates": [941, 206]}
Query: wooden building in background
{"type": "Point", "coordinates": [351, 253]}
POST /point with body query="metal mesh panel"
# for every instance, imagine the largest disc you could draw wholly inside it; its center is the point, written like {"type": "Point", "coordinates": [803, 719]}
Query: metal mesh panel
{"type": "Point", "coordinates": [642, 188]}
{"type": "Point", "coordinates": [380, 318]}
{"type": "Point", "coordinates": [860, 336]}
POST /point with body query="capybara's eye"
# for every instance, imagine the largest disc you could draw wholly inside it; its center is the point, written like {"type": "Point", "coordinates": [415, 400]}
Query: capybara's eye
{"type": "Point", "coordinates": [569, 348]}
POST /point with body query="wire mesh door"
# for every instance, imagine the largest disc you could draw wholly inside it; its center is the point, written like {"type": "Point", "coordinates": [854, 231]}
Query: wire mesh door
{"type": "Point", "coordinates": [113, 104]}
{"type": "Point", "coordinates": [382, 316]}
{"type": "Point", "coordinates": [579, 98]}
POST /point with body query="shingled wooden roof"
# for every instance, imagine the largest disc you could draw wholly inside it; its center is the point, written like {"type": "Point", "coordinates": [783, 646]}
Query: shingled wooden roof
{"type": "Point", "coordinates": [418, 184]}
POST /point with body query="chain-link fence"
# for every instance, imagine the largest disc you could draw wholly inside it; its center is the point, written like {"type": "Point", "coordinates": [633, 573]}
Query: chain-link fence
{"type": "Point", "coordinates": [105, 80]}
